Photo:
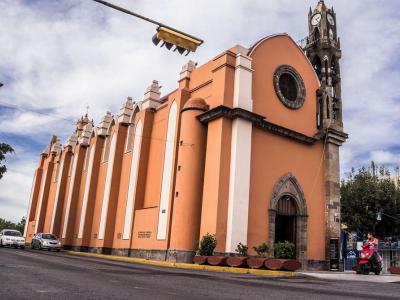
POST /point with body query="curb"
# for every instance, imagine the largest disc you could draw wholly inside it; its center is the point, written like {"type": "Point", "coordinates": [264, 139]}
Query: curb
{"type": "Point", "coordinates": [186, 265]}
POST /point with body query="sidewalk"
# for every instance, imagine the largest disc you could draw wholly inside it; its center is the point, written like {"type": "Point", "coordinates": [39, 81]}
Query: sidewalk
{"type": "Point", "coordinates": [352, 276]}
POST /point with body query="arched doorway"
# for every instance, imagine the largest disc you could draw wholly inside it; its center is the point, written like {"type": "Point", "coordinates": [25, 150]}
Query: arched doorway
{"type": "Point", "coordinates": [285, 220]}
{"type": "Point", "coordinates": [288, 215]}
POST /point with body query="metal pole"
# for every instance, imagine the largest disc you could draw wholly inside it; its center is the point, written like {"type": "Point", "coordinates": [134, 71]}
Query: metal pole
{"type": "Point", "coordinates": [145, 18]}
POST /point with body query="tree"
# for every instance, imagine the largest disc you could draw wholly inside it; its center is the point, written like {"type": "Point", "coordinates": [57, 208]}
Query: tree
{"type": "Point", "coordinates": [365, 194]}
{"type": "Point", "coordinates": [4, 149]}
{"type": "Point", "coordinates": [4, 224]}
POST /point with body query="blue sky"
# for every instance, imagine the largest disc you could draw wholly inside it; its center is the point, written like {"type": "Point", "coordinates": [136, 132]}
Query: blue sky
{"type": "Point", "coordinates": [57, 57]}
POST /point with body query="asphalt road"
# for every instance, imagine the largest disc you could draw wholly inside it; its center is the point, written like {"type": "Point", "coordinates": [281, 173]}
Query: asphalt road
{"type": "Point", "coordinates": [34, 274]}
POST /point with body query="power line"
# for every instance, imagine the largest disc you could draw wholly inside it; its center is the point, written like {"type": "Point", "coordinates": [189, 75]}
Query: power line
{"type": "Point", "coordinates": [53, 115]}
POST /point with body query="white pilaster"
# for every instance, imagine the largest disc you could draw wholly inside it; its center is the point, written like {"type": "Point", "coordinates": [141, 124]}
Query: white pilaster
{"type": "Point", "coordinates": [107, 189]}
{"type": "Point", "coordinates": [86, 191]}
{"type": "Point", "coordinates": [130, 203]}
{"type": "Point", "coordinates": [239, 180]}
{"type": "Point", "coordinates": [70, 194]}
{"type": "Point", "coordinates": [167, 173]}
{"type": "Point", "coordinates": [57, 196]}
{"type": "Point", "coordinates": [41, 194]}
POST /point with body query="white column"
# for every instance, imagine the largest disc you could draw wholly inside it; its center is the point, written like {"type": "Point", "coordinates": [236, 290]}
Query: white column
{"type": "Point", "coordinates": [30, 204]}
{"type": "Point", "coordinates": [167, 173]}
{"type": "Point", "coordinates": [86, 191]}
{"type": "Point", "coordinates": [107, 189]}
{"type": "Point", "coordinates": [70, 194]}
{"type": "Point", "coordinates": [130, 203]}
{"type": "Point", "coordinates": [239, 180]}
{"type": "Point", "coordinates": [59, 179]}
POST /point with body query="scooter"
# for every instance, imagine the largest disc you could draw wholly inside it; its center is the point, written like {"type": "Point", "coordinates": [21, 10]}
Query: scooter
{"type": "Point", "coordinates": [366, 262]}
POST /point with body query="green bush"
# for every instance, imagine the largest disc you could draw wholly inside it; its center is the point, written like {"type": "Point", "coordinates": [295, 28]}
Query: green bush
{"type": "Point", "coordinates": [241, 249]}
{"type": "Point", "coordinates": [262, 249]}
{"type": "Point", "coordinates": [284, 250]}
{"type": "Point", "coordinates": [207, 245]}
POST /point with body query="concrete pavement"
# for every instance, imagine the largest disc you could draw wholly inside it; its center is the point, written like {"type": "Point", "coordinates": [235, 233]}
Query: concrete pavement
{"type": "Point", "coordinates": [34, 274]}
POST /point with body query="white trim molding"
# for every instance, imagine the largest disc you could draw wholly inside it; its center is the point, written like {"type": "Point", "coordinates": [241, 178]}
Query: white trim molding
{"type": "Point", "coordinates": [30, 204]}
{"type": "Point", "coordinates": [130, 201]}
{"type": "Point", "coordinates": [86, 191]}
{"type": "Point", "coordinates": [167, 173]}
{"type": "Point", "coordinates": [107, 189]}
{"type": "Point", "coordinates": [70, 193]}
{"type": "Point", "coordinates": [56, 200]}
{"type": "Point", "coordinates": [239, 179]}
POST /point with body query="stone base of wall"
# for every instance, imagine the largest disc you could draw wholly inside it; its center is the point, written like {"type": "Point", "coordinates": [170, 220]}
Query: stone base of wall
{"type": "Point", "coordinates": [315, 265]}
{"type": "Point", "coordinates": [178, 255]}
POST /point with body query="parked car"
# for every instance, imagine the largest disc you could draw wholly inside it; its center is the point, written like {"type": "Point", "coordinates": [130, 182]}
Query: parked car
{"type": "Point", "coordinates": [12, 238]}
{"type": "Point", "coordinates": [45, 241]}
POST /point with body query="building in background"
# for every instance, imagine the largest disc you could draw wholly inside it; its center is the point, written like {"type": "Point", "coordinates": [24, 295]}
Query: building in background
{"type": "Point", "coordinates": [246, 148]}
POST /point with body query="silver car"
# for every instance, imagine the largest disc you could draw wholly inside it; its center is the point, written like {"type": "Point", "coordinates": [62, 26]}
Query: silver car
{"type": "Point", "coordinates": [45, 241]}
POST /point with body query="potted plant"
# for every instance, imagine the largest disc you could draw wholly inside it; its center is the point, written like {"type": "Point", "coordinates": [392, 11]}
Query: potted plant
{"type": "Point", "coordinates": [241, 256]}
{"type": "Point", "coordinates": [262, 251]}
{"type": "Point", "coordinates": [206, 248]}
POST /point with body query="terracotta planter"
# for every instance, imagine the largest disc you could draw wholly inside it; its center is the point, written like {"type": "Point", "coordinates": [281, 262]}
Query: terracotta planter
{"type": "Point", "coordinates": [200, 260]}
{"type": "Point", "coordinates": [291, 265]}
{"type": "Point", "coordinates": [394, 270]}
{"type": "Point", "coordinates": [273, 264]}
{"type": "Point", "coordinates": [236, 261]}
{"type": "Point", "coordinates": [256, 263]}
{"type": "Point", "coordinates": [216, 260]}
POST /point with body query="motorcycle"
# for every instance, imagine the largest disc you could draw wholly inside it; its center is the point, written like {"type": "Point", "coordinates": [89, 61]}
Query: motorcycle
{"type": "Point", "coordinates": [368, 261]}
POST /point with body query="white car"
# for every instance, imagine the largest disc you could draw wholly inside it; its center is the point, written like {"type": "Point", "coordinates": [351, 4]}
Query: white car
{"type": "Point", "coordinates": [12, 238]}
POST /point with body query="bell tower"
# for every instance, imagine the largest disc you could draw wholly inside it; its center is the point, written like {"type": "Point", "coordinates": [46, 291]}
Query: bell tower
{"type": "Point", "coordinates": [323, 51]}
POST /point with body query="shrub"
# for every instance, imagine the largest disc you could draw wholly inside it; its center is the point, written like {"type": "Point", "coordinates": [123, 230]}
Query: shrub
{"type": "Point", "coordinates": [207, 245]}
{"type": "Point", "coordinates": [284, 250]}
{"type": "Point", "coordinates": [262, 249]}
{"type": "Point", "coordinates": [241, 249]}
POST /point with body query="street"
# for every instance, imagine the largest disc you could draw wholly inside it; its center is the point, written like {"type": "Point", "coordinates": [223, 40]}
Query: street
{"type": "Point", "coordinates": [34, 274]}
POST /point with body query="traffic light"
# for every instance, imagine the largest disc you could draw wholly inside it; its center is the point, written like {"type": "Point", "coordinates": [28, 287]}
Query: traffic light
{"type": "Point", "coordinates": [171, 38]}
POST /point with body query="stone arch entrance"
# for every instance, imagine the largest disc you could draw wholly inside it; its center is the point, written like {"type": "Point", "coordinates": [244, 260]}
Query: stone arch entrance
{"type": "Point", "coordinates": [288, 215]}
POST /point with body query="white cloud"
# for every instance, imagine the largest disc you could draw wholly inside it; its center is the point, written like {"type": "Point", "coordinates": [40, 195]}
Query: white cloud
{"type": "Point", "coordinates": [59, 56]}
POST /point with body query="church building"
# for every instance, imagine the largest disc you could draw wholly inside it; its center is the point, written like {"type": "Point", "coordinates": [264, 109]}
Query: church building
{"type": "Point", "coordinates": [246, 148]}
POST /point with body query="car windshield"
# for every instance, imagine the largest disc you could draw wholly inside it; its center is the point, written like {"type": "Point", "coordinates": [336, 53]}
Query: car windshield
{"type": "Point", "coordinates": [12, 233]}
{"type": "Point", "coordinates": [49, 237]}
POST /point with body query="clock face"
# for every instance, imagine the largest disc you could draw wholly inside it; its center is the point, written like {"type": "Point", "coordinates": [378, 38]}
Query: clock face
{"type": "Point", "coordinates": [316, 19]}
{"type": "Point", "coordinates": [331, 20]}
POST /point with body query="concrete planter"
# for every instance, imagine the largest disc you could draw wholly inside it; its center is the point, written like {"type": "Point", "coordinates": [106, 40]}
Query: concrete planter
{"type": "Point", "coordinates": [256, 262]}
{"type": "Point", "coordinates": [236, 261]}
{"type": "Point", "coordinates": [200, 260]}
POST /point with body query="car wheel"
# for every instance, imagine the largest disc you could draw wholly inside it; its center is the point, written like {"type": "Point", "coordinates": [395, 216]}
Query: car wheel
{"type": "Point", "coordinates": [32, 246]}
{"type": "Point", "coordinates": [22, 247]}
{"type": "Point", "coordinates": [58, 250]}
{"type": "Point", "coordinates": [40, 246]}
{"type": "Point", "coordinates": [1, 244]}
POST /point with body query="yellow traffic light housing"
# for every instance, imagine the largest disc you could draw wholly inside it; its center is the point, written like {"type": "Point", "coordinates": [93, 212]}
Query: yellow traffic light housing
{"type": "Point", "coordinates": [181, 41]}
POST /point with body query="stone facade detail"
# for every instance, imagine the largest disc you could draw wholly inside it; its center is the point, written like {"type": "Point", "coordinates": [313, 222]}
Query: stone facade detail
{"type": "Point", "coordinates": [152, 96]}
{"type": "Point", "coordinates": [289, 186]}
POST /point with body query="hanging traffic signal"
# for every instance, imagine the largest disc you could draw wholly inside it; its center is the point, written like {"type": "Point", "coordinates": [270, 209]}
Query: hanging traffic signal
{"type": "Point", "coordinates": [171, 37]}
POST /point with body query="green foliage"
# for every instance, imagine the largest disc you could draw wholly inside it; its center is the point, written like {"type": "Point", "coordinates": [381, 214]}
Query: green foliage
{"type": "Point", "coordinates": [262, 249]}
{"type": "Point", "coordinates": [365, 193]}
{"type": "Point", "coordinates": [241, 249]}
{"type": "Point", "coordinates": [284, 250]}
{"type": "Point", "coordinates": [4, 224]}
{"type": "Point", "coordinates": [207, 245]}
{"type": "Point", "coordinates": [4, 149]}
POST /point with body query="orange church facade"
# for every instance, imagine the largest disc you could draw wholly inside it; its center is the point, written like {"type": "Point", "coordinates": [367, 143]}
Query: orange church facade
{"type": "Point", "coordinates": [246, 148]}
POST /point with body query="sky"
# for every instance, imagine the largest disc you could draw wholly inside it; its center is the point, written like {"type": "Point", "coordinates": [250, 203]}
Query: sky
{"type": "Point", "coordinates": [58, 57]}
